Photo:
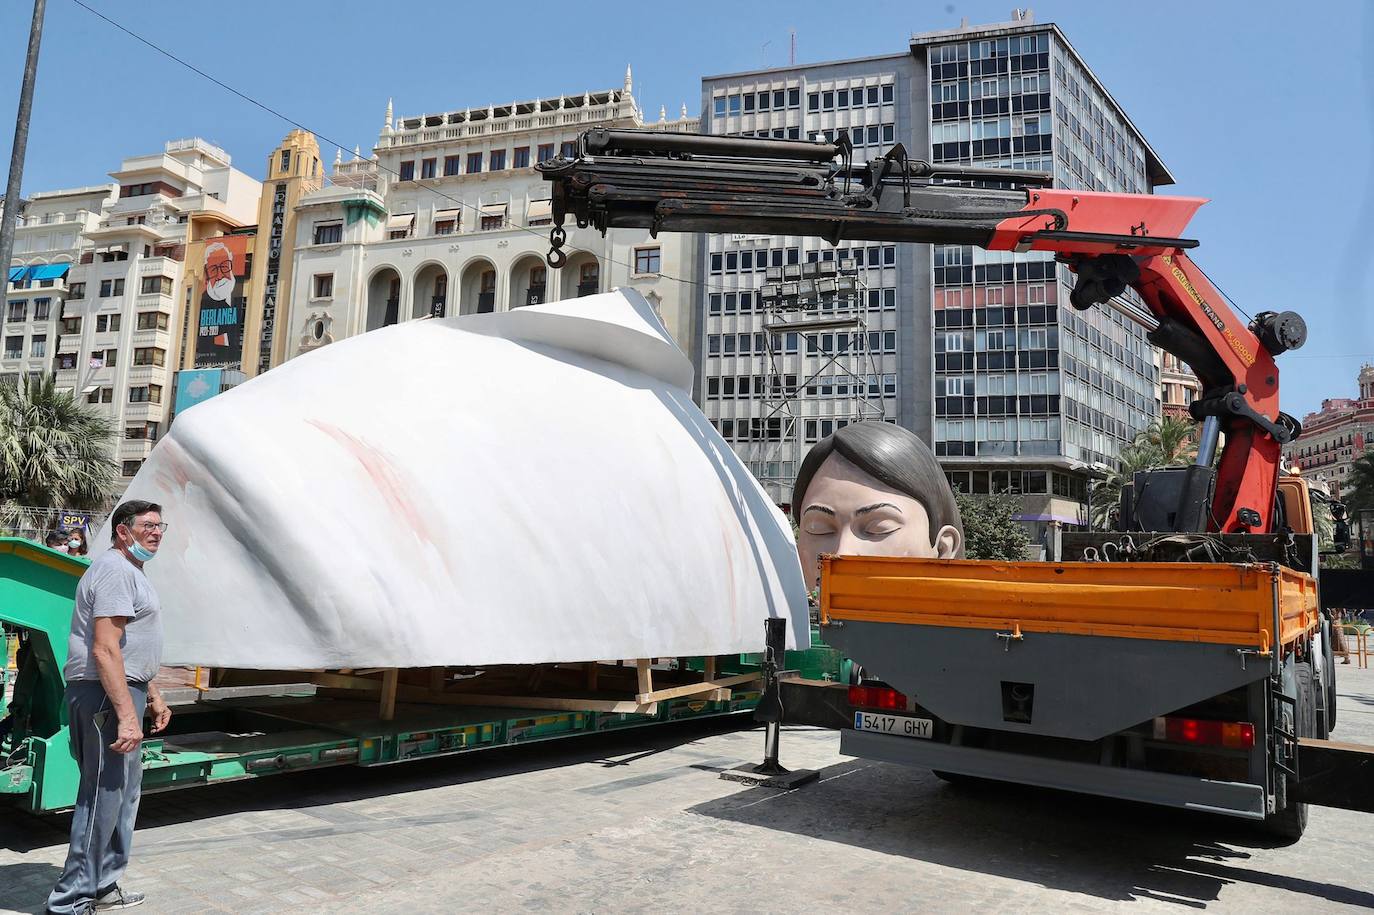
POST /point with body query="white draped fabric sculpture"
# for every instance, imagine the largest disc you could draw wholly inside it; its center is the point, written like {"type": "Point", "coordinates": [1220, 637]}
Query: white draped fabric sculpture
{"type": "Point", "coordinates": [525, 487]}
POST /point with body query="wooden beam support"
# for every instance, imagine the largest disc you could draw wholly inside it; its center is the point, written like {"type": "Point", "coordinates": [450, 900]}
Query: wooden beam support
{"type": "Point", "coordinates": [346, 681]}
{"type": "Point", "coordinates": [389, 677]}
{"type": "Point", "coordinates": [644, 676]}
{"type": "Point", "coordinates": [692, 689]}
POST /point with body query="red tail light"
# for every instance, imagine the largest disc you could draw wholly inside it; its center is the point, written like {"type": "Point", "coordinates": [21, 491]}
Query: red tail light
{"type": "Point", "coordinates": [876, 697]}
{"type": "Point", "coordinates": [1236, 734]}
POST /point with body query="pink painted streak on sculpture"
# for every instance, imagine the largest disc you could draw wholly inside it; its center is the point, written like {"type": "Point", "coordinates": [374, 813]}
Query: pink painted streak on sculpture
{"type": "Point", "coordinates": [384, 474]}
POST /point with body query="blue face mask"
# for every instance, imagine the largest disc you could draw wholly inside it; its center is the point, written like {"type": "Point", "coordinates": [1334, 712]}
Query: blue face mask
{"type": "Point", "coordinates": [137, 551]}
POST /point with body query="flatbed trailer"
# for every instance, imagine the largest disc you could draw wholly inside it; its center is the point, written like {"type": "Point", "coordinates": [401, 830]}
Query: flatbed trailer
{"type": "Point", "coordinates": [246, 732]}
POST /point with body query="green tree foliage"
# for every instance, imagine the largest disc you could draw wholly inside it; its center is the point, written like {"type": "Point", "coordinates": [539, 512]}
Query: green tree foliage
{"type": "Point", "coordinates": [1174, 439]}
{"type": "Point", "coordinates": [990, 531]}
{"type": "Point", "coordinates": [54, 451]}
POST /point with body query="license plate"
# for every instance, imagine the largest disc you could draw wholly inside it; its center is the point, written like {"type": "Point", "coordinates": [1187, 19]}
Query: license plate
{"type": "Point", "coordinates": [899, 725]}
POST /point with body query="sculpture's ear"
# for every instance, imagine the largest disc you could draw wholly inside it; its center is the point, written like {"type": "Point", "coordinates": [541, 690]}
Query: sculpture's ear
{"type": "Point", "coordinates": [948, 542]}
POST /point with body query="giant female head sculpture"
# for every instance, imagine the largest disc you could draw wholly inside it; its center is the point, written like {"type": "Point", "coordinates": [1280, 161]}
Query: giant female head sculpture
{"type": "Point", "coordinates": [874, 489]}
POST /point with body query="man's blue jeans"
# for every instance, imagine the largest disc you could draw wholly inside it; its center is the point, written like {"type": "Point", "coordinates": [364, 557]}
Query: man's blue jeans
{"type": "Point", "coordinates": [107, 800]}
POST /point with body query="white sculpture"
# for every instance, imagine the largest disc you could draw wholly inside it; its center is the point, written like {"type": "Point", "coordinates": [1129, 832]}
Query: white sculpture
{"type": "Point", "coordinates": [520, 487]}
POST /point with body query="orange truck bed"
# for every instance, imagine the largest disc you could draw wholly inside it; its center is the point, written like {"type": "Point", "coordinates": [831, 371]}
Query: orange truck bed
{"type": "Point", "coordinates": [1219, 603]}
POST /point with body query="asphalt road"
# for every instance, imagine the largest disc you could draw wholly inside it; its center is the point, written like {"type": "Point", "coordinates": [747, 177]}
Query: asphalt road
{"type": "Point", "coordinates": [642, 821]}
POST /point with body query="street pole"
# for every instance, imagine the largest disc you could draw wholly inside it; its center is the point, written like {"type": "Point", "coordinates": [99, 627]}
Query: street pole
{"type": "Point", "coordinates": [21, 141]}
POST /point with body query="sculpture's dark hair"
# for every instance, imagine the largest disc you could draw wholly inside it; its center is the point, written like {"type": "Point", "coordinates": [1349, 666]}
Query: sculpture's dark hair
{"type": "Point", "coordinates": [127, 512]}
{"type": "Point", "coordinates": [895, 456]}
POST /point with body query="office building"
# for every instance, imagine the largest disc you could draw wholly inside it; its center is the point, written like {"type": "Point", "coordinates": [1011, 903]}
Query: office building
{"type": "Point", "coordinates": [975, 353]}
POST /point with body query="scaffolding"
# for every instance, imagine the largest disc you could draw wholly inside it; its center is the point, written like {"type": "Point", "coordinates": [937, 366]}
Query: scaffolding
{"type": "Point", "coordinates": [820, 353]}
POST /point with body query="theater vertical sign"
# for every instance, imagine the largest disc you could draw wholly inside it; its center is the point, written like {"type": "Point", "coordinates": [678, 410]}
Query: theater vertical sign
{"type": "Point", "coordinates": [219, 337]}
{"type": "Point", "coordinates": [269, 290]}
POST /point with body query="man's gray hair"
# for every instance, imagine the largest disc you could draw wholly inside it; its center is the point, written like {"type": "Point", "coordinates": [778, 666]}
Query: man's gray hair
{"type": "Point", "coordinates": [127, 512]}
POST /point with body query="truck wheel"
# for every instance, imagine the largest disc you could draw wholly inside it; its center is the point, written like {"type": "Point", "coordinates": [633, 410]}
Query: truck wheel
{"type": "Point", "coordinates": [1290, 822]}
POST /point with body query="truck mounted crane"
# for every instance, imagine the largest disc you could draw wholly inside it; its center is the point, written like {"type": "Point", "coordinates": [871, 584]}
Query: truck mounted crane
{"type": "Point", "coordinates": [1194, 669]}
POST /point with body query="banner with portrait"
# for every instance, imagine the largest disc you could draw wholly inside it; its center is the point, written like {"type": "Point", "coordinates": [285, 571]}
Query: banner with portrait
{"type": "Point", "coordinates": [219, 336]}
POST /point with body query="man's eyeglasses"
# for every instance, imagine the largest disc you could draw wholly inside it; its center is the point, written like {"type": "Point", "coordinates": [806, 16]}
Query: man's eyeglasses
{"type": "Point", "coordinates": [148, 527]}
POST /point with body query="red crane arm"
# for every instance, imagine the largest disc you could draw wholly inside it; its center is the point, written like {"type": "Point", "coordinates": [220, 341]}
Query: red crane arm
{"type": "Point", "coordinates": [1239, 377]}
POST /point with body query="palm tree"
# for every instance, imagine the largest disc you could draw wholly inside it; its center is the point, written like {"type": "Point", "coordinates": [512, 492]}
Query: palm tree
{"type": "Point", "coordinates": [54, 451]}
{"type": "Point", "coordinates": [1358, 494]}
{"type": "Point", "coordinates": [1174, 438]}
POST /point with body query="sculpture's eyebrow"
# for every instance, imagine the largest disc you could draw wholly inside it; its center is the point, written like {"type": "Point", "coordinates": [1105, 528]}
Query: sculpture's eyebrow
{"type": "Point", "coordinates": [820, 508]}
{"type": "Point", "coordinates": [877, 505]}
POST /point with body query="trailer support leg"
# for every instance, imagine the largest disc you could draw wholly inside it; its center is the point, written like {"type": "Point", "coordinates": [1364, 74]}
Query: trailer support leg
{"type": "Point", "coordinates": [770, 773]}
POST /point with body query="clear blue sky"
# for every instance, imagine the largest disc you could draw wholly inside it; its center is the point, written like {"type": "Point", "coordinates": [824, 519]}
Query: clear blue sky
{"type": "Point", "coordinates": [1264, 108]}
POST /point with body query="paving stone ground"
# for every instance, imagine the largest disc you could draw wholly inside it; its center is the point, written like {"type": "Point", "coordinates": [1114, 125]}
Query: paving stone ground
{"type": "Point", "coordinates": [641, 821]}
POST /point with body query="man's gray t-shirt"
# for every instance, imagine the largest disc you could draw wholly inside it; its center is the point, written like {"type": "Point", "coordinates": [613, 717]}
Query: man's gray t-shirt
{"type": "Point", "coordinates": [114, 586]}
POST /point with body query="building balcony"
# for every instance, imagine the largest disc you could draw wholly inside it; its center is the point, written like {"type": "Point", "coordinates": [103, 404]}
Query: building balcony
{"type": "Point", "coordinates": [146, 374]}
{"type": "Point", "coordinates": [133, 449]}
{"type": "Point", "coordinates": [155, 301]}
{"type": "Point", "coordinates": [39, 287]}
{"type": "Point", "coordinates": [48, 219]}
{"type": "Point", "coordinates": [161, 339]}
{"type": "Point", "coordinates": [145, 411]}
{"type": "Point", "coordinates": [76, 308]}
{"type": "Point", "coordinates": [163, 265]}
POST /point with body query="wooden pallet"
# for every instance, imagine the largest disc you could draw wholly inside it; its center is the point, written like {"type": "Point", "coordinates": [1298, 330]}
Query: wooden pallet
{"type": "Point", "coordinates": [620, 687]}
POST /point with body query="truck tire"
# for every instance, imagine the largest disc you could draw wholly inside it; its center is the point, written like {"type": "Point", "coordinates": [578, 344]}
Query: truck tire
{"type": "Point", "coordinates": [1291, 822]}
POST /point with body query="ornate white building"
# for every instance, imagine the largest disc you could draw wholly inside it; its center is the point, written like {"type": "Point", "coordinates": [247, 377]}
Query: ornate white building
{"type": "Point", "coordinates": [449, 217]}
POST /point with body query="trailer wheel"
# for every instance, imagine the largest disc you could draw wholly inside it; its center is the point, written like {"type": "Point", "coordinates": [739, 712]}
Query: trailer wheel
{"type": "Point", "coordinates": [1290, 822]}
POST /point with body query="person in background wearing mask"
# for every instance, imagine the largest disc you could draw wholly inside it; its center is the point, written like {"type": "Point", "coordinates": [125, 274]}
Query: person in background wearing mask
{"type": "Point", "coordinates": [113, 654]}
{"type": "Point", "coordinates": [57, 540]}
{"type": "Point", "coordinates": [77, 544]}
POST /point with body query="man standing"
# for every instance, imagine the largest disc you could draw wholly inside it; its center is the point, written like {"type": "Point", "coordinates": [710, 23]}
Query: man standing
{"type": "Point", "coordinates": [113, 655]}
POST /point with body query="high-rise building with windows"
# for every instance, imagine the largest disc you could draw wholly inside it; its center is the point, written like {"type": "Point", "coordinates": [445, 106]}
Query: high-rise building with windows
{"type": "Point", "coordinates": [978, 358]}
{"type": "Point", "coordinates": [870, 101]}
{"type": "Point", "coordinates": [1030, 394]}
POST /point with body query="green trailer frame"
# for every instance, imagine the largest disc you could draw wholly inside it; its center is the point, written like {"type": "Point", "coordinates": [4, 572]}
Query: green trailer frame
{"type": "Point", "coordinates": [232, 734]}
